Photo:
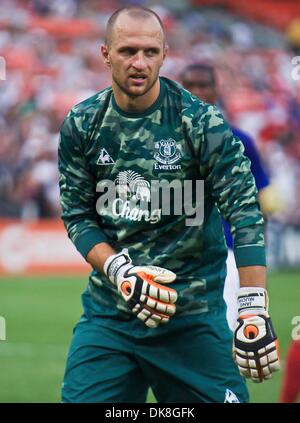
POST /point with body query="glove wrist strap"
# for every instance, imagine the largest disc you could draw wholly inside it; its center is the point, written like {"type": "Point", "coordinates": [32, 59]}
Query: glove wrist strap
{"type": "Point", "coordinates": [252, 300]}
{"type": "Point", "coordinates": [114, 263]}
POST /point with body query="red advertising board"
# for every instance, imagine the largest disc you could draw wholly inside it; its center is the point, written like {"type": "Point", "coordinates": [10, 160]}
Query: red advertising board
{"type": "Point", "coordinates": [38, 247]}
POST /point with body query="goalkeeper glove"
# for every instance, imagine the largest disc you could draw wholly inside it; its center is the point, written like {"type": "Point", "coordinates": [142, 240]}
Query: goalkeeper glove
{"type": "Point", "coordinates": [255, 345]}
{"type": "Point", "coordinates": [149, 301]}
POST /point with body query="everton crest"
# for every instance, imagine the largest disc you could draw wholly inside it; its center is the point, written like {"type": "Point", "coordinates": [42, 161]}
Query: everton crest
{"type": "Point", "coordinates": [167, 154]}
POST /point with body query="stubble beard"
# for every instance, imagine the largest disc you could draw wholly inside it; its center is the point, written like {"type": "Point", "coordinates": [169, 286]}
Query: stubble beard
{"type": "Point", "coordinates": [131, 95]}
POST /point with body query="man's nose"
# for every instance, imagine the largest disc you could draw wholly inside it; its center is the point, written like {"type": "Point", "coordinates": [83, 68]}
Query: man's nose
{"type": "Point", "coordinates": [139, 61]}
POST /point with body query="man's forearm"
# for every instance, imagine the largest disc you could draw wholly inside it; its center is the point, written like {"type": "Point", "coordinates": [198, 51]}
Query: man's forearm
{"type": "Point", "coordinates": [98, 255]}
{"type": "Point", "coordinates": [253, 276]}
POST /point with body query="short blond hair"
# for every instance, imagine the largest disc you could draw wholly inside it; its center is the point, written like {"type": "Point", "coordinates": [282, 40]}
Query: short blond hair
{"type": "Point", "coordinates": [138, 12]}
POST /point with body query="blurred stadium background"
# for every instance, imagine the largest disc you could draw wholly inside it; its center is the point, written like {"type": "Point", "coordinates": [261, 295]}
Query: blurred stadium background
{"type": "Point", "coordinates": [51, 51]}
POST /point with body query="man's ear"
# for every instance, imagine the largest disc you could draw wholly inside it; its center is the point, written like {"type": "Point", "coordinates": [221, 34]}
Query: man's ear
{"type": "Point", "coordinates": [166, 49]}
{"type": "Point", "coordinates": [105, 54]}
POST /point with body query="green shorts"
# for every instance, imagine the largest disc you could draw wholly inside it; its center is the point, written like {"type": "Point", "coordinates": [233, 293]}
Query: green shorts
{"type": "Point", "coordinates": [116, 359]}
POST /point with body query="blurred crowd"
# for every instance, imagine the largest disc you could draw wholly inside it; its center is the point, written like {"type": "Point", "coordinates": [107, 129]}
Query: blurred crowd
{"type": "Point", "coordinates": [53, 62]}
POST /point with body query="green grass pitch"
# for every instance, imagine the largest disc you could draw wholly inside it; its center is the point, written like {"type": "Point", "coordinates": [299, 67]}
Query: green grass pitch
{"type": "Point", "coordinates": [40, 313]}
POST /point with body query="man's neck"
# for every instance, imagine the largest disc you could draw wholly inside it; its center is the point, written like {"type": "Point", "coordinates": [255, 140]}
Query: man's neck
{"type": "Point", "coordinates": [136, 104]}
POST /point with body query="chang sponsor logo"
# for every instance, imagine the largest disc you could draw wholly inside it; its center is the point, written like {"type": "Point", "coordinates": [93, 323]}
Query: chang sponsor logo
{"type": "Point", "coordinates": [130, 196]}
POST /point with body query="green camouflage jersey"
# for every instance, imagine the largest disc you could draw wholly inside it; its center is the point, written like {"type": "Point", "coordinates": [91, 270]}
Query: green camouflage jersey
{"type": "Point", "coordinates": [179, 138]}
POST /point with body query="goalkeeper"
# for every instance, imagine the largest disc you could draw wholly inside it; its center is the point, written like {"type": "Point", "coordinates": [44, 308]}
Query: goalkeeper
{"type": "Point", "coordinates": [154, 314]}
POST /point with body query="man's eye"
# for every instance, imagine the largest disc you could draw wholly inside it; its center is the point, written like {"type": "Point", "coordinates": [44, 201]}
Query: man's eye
{"type": "Point", "coordinates": [128, 51]}
{"type": "Point", "coordinates": [151, 52]}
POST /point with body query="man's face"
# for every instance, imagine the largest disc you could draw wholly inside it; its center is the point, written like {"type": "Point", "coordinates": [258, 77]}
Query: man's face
{"type": "Point", "coordinates": [200, 84]}
{"type": "Point", "coordinates": [135, 54]}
